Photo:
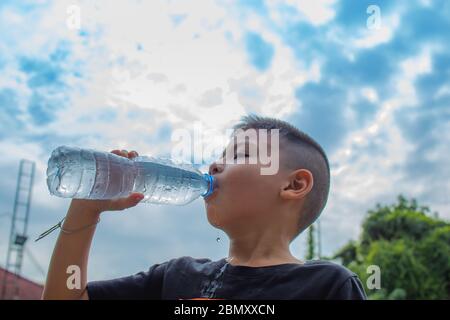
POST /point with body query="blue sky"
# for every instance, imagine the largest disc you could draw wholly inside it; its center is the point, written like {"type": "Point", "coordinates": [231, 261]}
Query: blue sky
{"type": "Point", "coordinates": [378, 100]}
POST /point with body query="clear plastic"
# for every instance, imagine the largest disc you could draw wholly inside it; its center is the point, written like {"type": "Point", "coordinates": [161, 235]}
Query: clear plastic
{"type": "Point", "coordinates": [89, 174]}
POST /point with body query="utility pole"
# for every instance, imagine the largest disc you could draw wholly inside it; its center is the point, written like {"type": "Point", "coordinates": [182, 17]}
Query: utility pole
{"type": "Point", "coordinates": [319, 240]}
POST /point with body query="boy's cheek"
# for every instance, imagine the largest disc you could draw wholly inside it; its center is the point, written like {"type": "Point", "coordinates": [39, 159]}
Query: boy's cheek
{"type": "Point", "coordinates": [241, 172]}
{"type": "Point", "coordinates": [238, 183]}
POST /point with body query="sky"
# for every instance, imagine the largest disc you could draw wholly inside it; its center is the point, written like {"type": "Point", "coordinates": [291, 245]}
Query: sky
{"type": "Point", "coordinates": [369, 80]}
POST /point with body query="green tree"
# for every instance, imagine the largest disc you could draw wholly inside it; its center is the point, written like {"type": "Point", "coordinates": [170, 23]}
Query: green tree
{"type": "Point", "coordinates": [410, 247]}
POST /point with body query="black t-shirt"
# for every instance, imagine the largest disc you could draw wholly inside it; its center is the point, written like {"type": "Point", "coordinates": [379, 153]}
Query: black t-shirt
{"type": "Point", "coordinates": [190, 278]}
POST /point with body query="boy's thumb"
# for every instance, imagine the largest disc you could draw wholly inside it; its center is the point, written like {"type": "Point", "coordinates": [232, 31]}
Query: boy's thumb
{"type": "Point", "coordinates": [130, 201]}
{"type": "Point", "coordinates": [135, 198]}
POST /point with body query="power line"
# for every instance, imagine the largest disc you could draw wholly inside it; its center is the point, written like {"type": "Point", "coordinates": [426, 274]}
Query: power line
{"type": "Point", "coordinates": [35, 262]}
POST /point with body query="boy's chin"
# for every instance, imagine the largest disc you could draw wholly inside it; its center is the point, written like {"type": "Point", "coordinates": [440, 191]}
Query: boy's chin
{"type": "Point", "coordinates": [215, 225]}
{"type": "Point", "coordinates": [214, 218]}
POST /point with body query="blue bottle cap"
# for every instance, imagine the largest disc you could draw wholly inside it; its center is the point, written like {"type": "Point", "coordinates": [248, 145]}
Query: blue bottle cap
{"type": "Point", "coordinates": [210, 180]}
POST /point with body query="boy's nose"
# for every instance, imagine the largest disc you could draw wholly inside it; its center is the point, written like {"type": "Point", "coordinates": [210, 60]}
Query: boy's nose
{"type": "Point", "coordinates": [215, 168]}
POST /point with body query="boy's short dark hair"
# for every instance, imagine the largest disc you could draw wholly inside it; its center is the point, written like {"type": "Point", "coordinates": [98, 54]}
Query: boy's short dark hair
{"type": "Point", "coordinates": [310, 156]}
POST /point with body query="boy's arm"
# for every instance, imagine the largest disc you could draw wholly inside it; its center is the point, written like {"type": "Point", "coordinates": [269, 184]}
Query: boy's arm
{"type": "Point", "coordinates": [73, 249]}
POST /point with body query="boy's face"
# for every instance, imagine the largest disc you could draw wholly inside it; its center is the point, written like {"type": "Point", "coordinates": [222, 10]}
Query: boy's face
{"type": "Point", "coordinates": [244, 196]}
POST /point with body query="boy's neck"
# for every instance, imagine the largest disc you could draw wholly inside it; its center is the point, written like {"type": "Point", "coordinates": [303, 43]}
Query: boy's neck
{"type": "Point", "coordinates": [263, 262]}
{"type": "Point", "coordinates": [258, 247]}
{"type": "Point", "coordinates": [259, 255]}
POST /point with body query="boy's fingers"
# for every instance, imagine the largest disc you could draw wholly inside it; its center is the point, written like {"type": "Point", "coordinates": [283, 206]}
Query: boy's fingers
{"type": "Point", "coordinates": [133, 154]}
{"type": "Point", "coordinates": [122, 153]}
{"type": "Point", "coordinates": [136, 197]}
{"type": "Point", "coordinates": [128, 202]}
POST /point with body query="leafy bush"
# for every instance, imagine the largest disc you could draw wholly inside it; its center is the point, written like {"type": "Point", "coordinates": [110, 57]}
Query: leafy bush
{"type": "Point", "coordinates": [410, 247]}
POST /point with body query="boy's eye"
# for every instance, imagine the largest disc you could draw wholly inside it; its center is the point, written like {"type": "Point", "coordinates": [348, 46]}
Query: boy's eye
{"type": "Point", "coordinates": [240, 155]}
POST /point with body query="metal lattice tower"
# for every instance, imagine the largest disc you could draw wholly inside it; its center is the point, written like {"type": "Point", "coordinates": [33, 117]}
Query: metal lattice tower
{"type": "Point", "coordinates": [18, 234]}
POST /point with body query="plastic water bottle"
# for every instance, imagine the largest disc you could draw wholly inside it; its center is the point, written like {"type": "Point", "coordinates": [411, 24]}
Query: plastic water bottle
{"type": "Point", "coordinates": [89, 174]}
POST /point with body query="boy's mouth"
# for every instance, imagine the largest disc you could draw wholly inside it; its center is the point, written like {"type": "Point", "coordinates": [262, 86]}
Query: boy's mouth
{"type": "Point", "coordinates": [208, 198]}
{"type": "Point", "coordinates": [215, 189]}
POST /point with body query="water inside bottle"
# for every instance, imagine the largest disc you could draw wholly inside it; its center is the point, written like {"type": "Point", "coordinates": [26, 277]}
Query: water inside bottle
{"type": "Point", "coordinates": [162, 181]}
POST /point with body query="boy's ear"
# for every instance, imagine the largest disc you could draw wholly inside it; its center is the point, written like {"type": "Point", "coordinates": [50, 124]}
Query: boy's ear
{"type": "Point", "coordinates": [300, 183]}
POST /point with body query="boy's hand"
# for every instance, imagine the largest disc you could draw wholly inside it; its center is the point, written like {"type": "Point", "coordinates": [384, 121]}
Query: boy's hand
{"type": "Point", "coordinates": [98, 206]}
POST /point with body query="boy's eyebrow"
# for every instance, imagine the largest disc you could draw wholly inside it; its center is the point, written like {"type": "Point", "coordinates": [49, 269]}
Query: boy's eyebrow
{"type": "Point", "coordinates": [235, 147]}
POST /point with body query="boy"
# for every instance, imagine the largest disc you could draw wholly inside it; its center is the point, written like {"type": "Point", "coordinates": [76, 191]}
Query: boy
{"type": "Point", "coordinates": [260, 213]}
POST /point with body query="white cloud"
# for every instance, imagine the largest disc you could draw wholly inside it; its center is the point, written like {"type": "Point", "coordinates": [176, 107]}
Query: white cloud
{"type": "Point", "coordinates": [163, 82]}
{"type": "Point", "coordinates": [316, 12]}
{"type": "Point", "coordinates": [367, 167]}
{"type": "Point", "coordinates": [369, 38]}
{"type": "Point", "coordinates": [370, 94]}
{"type": "Point", "coordinates": [444, 90]}
{"type": "Point", "coordinates": [417, 65]}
